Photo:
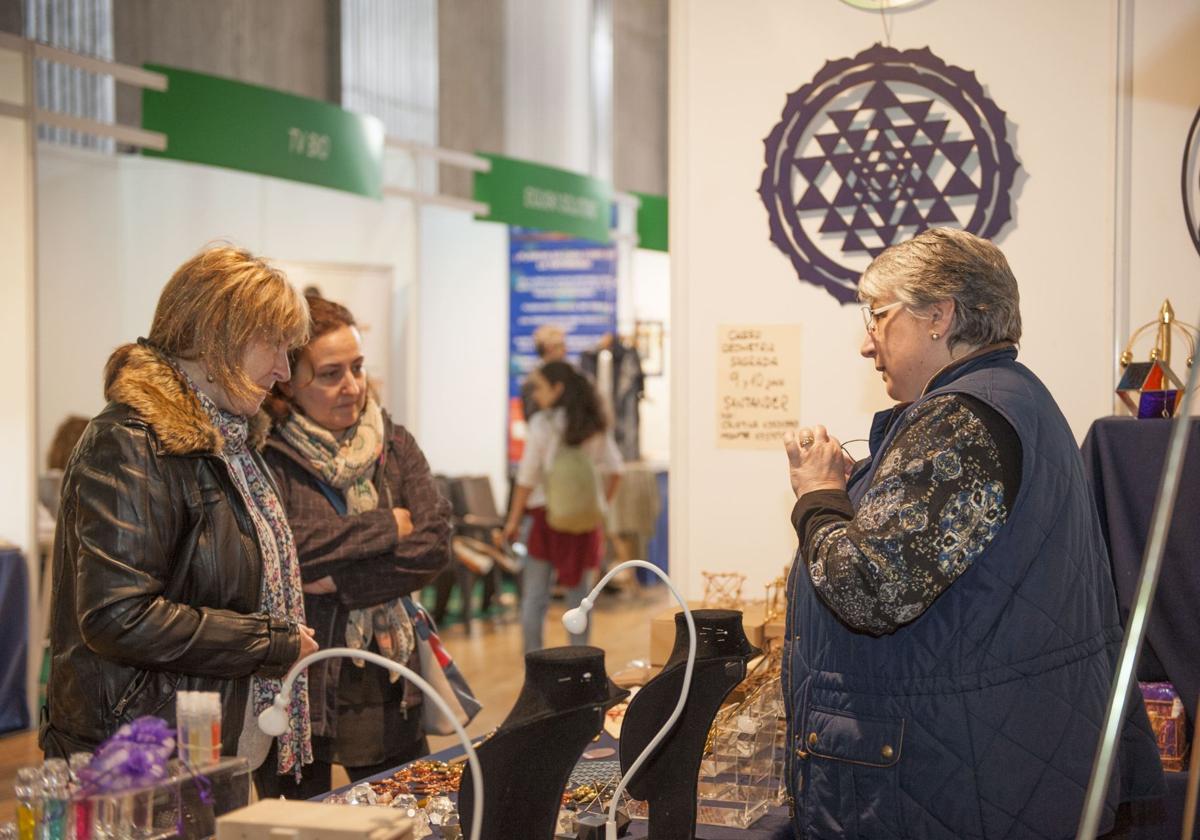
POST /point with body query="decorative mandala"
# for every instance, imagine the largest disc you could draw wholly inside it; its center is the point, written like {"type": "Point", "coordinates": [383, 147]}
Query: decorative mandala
{"type": "Point", "coordinates": [876, 149]}
{"type": "Point", "coordinates": [1191, 182]}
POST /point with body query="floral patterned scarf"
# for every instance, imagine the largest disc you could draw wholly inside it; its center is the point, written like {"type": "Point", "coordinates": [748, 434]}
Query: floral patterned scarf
{"type": "Point", "coordinates": [348, 465]}
{"type": "Point", "coordinates": [281, 596]}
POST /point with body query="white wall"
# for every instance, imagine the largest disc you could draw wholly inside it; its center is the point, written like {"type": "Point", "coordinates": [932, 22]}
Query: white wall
{"type": "Point", "coordinates": [1051, 66]}
{"type": "Point", "coordinates": [87, 304]}
{"type": "Point", "coordinates": [17, 324]}
{"type": "Point", "coordinates": [113, 229]}
{"type": "Point", "coordinates": [463, 338]}
{"type": "Point", "coordinates": [1166, 93]}
{"type": "Point", "coordinates": [650, 289]}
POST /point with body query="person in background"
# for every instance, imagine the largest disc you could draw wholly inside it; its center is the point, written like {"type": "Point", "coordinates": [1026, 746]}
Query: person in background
{"type": "Point", "coordinates": [68, 433]}
{"type": "Point", "coordinates": [952, 627]}
{"type": "Point", "coordinates": [550, 342]}
{"type": "Point", "coordinates": [570, 415]}
{"type": "Point", "coordinates": [370, 527]}
{"type": "Point", "coordinates": [50, 482]}
{"type": "Point", "coordinates": [174, 566]}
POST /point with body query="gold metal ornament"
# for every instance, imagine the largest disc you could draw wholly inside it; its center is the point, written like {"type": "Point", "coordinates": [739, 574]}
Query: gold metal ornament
{"type": "Point", "coordinates": [776, 600]}
{"type": "Point", "coordinates": [1151, 389]}
{"type": "Point", "coordinates": [723, 590]}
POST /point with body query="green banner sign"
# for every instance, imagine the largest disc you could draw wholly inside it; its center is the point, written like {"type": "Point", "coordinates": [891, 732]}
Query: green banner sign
{"type": "Point", "coordinates": [530, 195]}
{"type": "Point", "coordinates": [220, 122]}
{"type": "Point", "coordinates": [652, 222]}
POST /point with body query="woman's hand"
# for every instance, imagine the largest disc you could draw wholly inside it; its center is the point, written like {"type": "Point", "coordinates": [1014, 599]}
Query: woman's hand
{"type": "Point", "coordinates": [324, 586]}
{"type": "Point", "coordinates": [516, 511]}
{"type": "Point", "coordinates": [815, 461]}
{"type": "Point", "coordinates": [308, 642]}
{"type": "Point", "coordinates": [404, 523]}
{"type": "Point", "coordinates": [848, 466]}
{"type": "Point", "coordinates": [511, 529]}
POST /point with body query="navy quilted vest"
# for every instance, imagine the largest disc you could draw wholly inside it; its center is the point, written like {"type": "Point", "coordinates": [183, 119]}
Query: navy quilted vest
{"type": "Point", "coordinates": [980, 718]}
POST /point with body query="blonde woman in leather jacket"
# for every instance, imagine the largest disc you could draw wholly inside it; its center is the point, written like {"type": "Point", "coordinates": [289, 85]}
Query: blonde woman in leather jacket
{"type": "Point", "coordinates": [174, 568]}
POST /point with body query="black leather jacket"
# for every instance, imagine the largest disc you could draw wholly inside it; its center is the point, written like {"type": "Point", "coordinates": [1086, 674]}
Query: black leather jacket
{"type": "Point", "coordinates": [156, 568]}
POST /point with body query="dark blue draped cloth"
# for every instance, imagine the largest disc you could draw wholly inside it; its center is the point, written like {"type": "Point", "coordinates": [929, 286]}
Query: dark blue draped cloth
{"type": "Point", "coordinates": [1124, 458]}
{"type": "Point", "coordinates": [14, 635]}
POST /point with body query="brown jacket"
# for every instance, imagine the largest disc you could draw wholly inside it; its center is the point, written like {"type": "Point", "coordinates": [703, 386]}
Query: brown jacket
{"type": "Point", "coordinates": [363, 553]}
{"type": "Point", "coordinates": [156, 568]}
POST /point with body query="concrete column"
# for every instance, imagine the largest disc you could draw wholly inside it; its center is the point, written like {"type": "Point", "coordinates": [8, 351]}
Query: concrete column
{"type": "Point", "coordinates": [289, 45]}
{"type": "Point", "coordinates": [639, 126]}
{"type": "Point", "coordinates": [471, 60]}
{"type": "Point", "coordinates": [547, 82]}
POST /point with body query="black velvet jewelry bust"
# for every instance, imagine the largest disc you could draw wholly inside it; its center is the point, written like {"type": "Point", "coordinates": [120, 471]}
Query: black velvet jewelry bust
{"type": "Point", "coordinates": [528, 759]}
{"type": "Point", "coordinates": [669, 778]}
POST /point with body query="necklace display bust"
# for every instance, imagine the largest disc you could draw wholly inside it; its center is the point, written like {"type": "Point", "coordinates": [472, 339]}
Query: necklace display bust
{"type": "Point", "coordinates": [669, 778]}
{"type": "Point", "coordinates": [528, 759]}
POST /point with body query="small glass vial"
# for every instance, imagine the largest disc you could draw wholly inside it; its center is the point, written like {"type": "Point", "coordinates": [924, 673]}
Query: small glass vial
{"type": "Point", "coordinates": [28, 790]}
{"type": "Point", "coordinates": [56, 813]}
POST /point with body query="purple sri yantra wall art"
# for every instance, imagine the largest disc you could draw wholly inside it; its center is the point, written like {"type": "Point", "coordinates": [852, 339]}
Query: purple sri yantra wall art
{"type": "Point", "coordinates": [874, 150]}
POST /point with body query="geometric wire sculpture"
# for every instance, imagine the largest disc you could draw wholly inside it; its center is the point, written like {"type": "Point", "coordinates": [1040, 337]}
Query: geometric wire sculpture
{"type": "Point", "coordinates": [1151, 389]}
{"type": "Point", "coordinates": [723, 590]}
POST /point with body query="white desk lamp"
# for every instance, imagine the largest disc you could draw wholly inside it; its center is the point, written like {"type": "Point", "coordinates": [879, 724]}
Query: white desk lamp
{"type": "Point", "coordinates": [274, 720]}
{"type": "Point", "coordinates": [576, 620]}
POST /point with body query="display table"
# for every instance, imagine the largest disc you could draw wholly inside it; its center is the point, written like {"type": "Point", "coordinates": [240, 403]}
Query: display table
{"type": "Point", "coordinates": [1155, 820]}
{"type": "Point", "coordinates": [1124, 459]}
{"type": "Point", "coordinates": [14, 639]}
{"type": "Point", "coordinates": [772, 826]}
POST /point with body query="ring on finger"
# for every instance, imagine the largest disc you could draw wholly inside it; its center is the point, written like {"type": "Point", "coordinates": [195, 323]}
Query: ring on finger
{"type": "Point", "coordinates": [806, 442]}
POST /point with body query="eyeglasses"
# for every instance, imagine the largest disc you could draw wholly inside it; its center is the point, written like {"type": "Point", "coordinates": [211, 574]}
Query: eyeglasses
{"type": "Point", "coordinates": [870, 314]}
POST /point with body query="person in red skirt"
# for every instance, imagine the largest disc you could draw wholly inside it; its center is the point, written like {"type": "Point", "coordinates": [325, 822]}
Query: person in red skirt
{"type": "Point", "coordinates": [567, 476]}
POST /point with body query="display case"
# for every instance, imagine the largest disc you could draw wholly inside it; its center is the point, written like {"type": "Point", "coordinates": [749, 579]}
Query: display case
{"type": "Point", "coordinates": [186, 804]}
{"type": "Point", "coordinates": [741, 774]}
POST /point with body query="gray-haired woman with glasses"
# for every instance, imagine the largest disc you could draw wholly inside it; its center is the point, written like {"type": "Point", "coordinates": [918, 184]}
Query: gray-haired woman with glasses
{"type": "Point", "coordinates": [953, 625]}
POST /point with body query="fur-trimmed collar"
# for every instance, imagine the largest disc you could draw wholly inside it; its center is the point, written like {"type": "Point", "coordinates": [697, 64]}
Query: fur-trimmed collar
{"type": "Point", "coordinates": [140, 378]}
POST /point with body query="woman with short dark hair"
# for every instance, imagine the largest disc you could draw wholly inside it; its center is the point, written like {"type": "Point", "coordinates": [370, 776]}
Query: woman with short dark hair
{"type": "Point", "coordinates": [371, 527]}
{"type": "Point", "coordinates": [952, 626]}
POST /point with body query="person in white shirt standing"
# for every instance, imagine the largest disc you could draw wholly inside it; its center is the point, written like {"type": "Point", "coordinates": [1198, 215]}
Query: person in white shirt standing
{"type": "Point", "coordinates": [567, 476]}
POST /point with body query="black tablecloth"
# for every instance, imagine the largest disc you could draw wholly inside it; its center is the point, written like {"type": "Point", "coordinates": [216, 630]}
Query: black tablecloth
{"type": "Point", "coordinates": [1124, 458]}
{"type": "Point", "coordinates": [1154, 820]}
{"type": "Point", "coordinates": [14, 640]}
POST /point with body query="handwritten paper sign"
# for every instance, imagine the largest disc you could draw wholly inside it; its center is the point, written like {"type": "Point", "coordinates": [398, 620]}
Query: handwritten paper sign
{"type": "Point", "coordinates": [758, 385]}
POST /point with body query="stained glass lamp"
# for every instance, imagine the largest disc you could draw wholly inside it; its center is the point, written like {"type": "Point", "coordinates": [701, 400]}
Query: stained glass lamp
{"type": "Point", "coordinates": [1151, 389]}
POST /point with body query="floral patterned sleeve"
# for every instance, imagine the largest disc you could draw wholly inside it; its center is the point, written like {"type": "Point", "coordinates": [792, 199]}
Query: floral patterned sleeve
{"type": "Point", "coordinates": [940, 495]}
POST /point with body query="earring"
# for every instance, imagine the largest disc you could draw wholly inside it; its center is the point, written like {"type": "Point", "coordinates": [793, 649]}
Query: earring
{"type": "Point", "coordinates": [210, 378]}
{"type": "Point", "coordinates": [935, 336]}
